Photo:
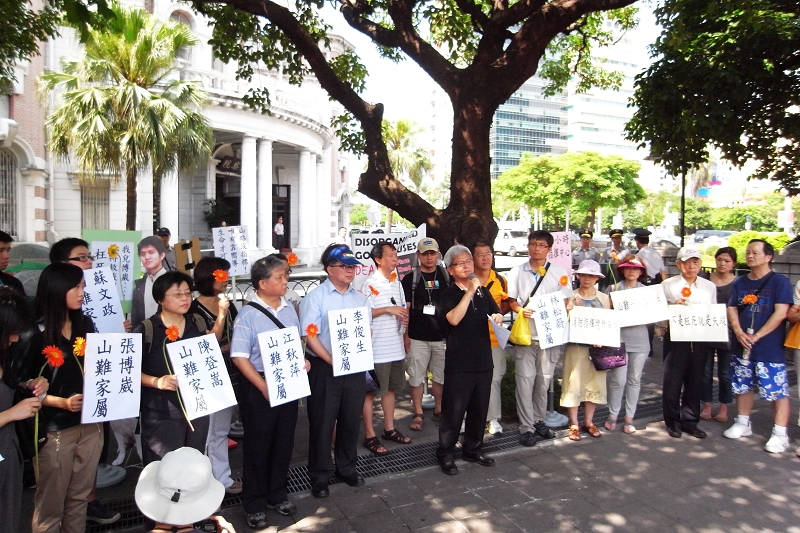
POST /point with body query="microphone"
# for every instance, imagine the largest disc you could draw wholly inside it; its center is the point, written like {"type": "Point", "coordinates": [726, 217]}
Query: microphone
{"type": "Point", "coordinates": [478, 291]}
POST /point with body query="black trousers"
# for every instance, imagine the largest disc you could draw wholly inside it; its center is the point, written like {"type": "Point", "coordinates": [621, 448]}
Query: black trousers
{"type": "Point", "coordinates": [163, 435]}
{"type": "Point", "coordinates": [267, 448]}
{"type": "Point", "coordinates": [464, 392]}
{"type": "Point", "coordinates": [333, 401]}
{"type": "Point", "coordinates": [683, 383]}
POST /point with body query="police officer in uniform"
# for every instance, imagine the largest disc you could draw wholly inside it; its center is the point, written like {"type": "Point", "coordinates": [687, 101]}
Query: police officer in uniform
{"type": "Point", "coordinates": [585, 250]}
{"type": "Point", "coordinates": [613, 255]}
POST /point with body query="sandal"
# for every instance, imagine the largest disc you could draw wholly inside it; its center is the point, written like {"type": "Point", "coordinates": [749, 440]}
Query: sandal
{"type": "Point", "coordinates": [374, 445]}
{"type": "Point", "coordinates": [395, 436]}
{"type": "Point", "coordinates": [628, 428]}
{"type": "Point", "coordinates": [609, 425]}
{"type": "Point", "coordinates": [592, 430]}
{"type": "Point", "coordinates": [416, 422]}
{"type": "Point", "coordinates": [574, 433]}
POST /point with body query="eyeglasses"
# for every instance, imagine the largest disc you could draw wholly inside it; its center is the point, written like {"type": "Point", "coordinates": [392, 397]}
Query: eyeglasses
{"type": "Point", "coordinates": [345, 267]}
{"type": "Point", "coordinates": [538, 245]}
{"type": "Point", "coordinates": [462, 264]}
{"type": "Point", "coordinates": [485, 254]}
{"type": "Point", "coordinates": [179, 295]}
{"type": "Point", "coordinates": [81, 258]}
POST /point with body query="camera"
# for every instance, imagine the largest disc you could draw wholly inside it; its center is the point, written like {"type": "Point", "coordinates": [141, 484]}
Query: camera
{"type": "Point", "coordinates": [209, 525]}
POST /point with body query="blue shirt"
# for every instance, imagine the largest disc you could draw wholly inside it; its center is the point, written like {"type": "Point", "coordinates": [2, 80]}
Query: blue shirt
{"type": "Point", "coordinates": [316, 304]}
{"type": "Point", "coordinates": [251, 321]}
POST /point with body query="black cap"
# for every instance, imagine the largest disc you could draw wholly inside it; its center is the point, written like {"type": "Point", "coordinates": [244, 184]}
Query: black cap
{"type": "Point", "coordinates": [586, 233]}
{"type": "Point", "coordinates": [163, 232]}
{"type": "Point", "coordinates": [615, 233]}
{"type": "Point", "coordinates": [641, 232]}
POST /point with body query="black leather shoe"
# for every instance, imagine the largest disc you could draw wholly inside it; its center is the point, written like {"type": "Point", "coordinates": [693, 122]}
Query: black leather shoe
{"type": "Point", "coordinates": [543, 431]}
{"type": "Point", "coordinates": [481, 459]}
{"type": "Point", "coordinates": [674, 432]}
{"type": "Point", "coordinates": [354, 480]}
{"type": "Point", "coordinates": [528, 438]}
{"type": "Point", "coordinates": [448, 466]}
{"type": "Point", "coordinates": [695, 432]}
{"type": "Point", "coordinates": [320, 490]}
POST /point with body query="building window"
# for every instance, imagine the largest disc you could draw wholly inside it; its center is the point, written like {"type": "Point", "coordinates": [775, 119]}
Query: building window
{"type": "Point", "coordinates": [94, 204]}
{"type": "Point", "coordinates": [185, 53]}
{"type": "Point", "coordinates": [8, 192]}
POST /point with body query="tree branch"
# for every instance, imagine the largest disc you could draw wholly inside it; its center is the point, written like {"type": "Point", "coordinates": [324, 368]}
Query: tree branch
{"type": "Point", "coordinates": [479, 18]}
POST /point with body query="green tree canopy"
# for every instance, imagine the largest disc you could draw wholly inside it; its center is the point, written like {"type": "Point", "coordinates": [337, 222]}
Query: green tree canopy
{"type": "Point", "coordinates": [726, 74]}
{"type": "Point", "coordinates": [583, 181]}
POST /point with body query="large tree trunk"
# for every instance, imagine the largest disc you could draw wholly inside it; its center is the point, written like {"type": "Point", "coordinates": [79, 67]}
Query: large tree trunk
{"type": "Point", "coordinates": [130, 180]}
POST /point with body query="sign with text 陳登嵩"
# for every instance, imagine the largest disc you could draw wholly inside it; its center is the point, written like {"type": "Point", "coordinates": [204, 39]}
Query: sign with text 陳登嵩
{"type": "Point", "coordinates": [644, 305]}
{"type": "Point", "coordinates": [230, 243]}
{"type": "Point", "coordinates": [284, 365]}
{"type": "Point", "coordinates": [561, 252]}
{"type": "Point", "coordinates": [406, 244]}
{"type": "Point", "coordinates": [202, 377]}
{"type": "Point", "coordinates": [698, 323]}
{"type": "Point", "coordinates": [101, 301]}
{"type": "Point", "coordinates": [550, 318]}
{"type": "Point", "coordinates": [112, 382]}
{"type": "Point", "coordinates": [588, 325]}
{"type": "Point", "coordinates": [351, 340]}
{"type": "Point", "coordinates": [116, 250]}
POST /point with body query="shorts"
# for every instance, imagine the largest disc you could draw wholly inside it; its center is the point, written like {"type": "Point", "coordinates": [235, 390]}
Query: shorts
{"type": "Point", "coordinates": [769, 377]}
{"type": "Point", "coordinates": [391, 376]}
{"type": "Point", "coordinates": [422, 356]}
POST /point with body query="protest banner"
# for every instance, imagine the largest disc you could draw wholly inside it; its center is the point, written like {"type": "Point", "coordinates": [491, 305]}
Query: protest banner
{"type": "Point", "coordinates": [550, 319]}
{"type": "Point", "coordinates": [588, 325]}
{"type": "Point", "coordinates": [406, 244]}
{"type": "Point", "coordinates": [698, 323]}
{"type": "Point", "coordinates": [112, 381]}
{"type": "Point", "coordinates": [116, 250]}
{"type": "Point", "coordinates": [284, 365]}
{"type": "Point", "coordinates": [101, 301]}
{"type": "Point", "coordinates": [351, 341]}
{"type": "Point", "coordinates": [561, 252]}
{"type": "Point", "coordinates": [230, 243]}
{"type": "Point", "coordinates": [202, 377]}
{"type": "Point", "coordinates": [644, 305]}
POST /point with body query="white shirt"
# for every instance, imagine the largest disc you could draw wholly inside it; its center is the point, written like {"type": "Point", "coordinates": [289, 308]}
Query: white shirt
{"type": "Point", "coordinates": [522, 280]}
{"type": "Point", "coordinates": [703, 291]}
{"type": "Point", "coordinates": [652, 261]}
{"type": "Point", "coordinates": [387, 336]}
{"type": "Point", "coordinates": [150, 305]}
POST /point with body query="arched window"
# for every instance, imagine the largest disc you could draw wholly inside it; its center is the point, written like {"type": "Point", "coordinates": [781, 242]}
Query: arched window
{"type": "Point", "coordinates": [8, 192]}
{"type": "Point", "coordinates": [185, 53]}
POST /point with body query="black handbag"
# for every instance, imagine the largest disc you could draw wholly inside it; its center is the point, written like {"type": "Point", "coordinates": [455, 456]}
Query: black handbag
{"type": "Point", "coordinates": [607, 357]}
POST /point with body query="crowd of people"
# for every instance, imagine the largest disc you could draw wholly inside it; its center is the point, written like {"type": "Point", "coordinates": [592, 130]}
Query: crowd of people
{"type": "Point", "coordinates": [439, 318]}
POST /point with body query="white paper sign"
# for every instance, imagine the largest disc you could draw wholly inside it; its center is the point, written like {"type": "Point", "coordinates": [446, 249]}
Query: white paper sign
{"type": "Point", "coordinates": [284, 365]}
{"type": "Point", "coordinates": [112, 382]}
{"type": "Point", "coordinates": [550, 318]}
{"type": "Point", "coordinates": [588, 325]}
{"type": "Point", "coordinates": [500, 333]}
{"type": "Point", "coordinates": [644, 305]}
{"type": "Point", "coordinates": [118, 257]}
{"type": "Point", "coordinates": [406, 244]}
{"type": "Point", "coordinates": [101, 301]}
{"type": "Point", "coordinates": [561, 252]}
{"type": "Point", "coordinates": [230, 242]}
{"type": "Point", "coordinates": [351, 341]}
{"type": "Point", "coordinates": [698, 323]}
{"type": "Point", "coordinates": [202, 377]}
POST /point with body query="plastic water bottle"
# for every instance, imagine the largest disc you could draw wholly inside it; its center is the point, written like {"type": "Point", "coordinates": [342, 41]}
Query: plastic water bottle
{"type": "Point", "coordinates": [746, 351]}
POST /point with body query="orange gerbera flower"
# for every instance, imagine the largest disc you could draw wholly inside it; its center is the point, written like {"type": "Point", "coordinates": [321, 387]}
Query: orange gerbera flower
{"type": "Point", "coordinates": [614, 256]}
{"type": "Point", "coordinates": [113, 251]}
{"type": "Point", "coordinates": [54, 356]}
{"type": "Point", "coordinates": [220, 275]}
{"type": "Point", "coordinates": [750, 299]}
{"type": "Point", "coordinates": [312, 331]}
{"type": "Point", "coordinates": [79, 348]}
{"type": "Point", "coordinates": [292, 258]}
{"type": "Point", "coordinates": [563, 281]}
{"type": "Point", "coordinates": [686, 292]}
{"type": "Point", "coordinates": [374, 291]}
{"type": "Point", "coordinates": [393, 277]}
{"type": "Point", "coordinates": [173, 333]}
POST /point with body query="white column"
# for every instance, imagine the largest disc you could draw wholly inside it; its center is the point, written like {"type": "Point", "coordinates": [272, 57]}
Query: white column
{"type": "Point", "coordinates": [307, 201]}
{"type": "Point", "coordinates": [324, 198]}
{"type": "Point", "coordinates": [248, 199]}
{"type": "Point", "coordinates": [265, 194]}
{"type": "Point", "coordinates": [168, 215]}
{"type": "Point", "coordinates": [144, 202]}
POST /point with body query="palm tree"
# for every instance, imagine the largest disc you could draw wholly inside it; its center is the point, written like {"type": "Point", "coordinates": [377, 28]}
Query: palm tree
{"type": "Point", "coordinates": [120, 111]}
{"type": "Point", "coordinates": [407, 159]}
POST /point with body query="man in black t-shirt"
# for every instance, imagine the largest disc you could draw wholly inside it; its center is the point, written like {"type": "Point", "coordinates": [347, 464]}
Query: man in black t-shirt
{"type": "Point", "coordinates": [424, 342]}
{"type": "Point", "coordinates": [5, 254]}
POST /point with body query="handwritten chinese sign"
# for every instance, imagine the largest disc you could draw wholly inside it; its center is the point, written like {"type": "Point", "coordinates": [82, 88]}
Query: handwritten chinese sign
{"type": "Point", "coordinates": [644, 305]}
{"type": "Point", "coordinates": [561, 252]}
{"type": "Point", "coordinates": [550, 318]}
{"type": "Point", "coordinates": [112, 383]}
{"type": "Point", "coordinates": [202, 377]}
{"type": "Point", "coordinates": [284, 365]}
{"type": "Point", "coordinates": [230, 242]}
{"type": "Point", "coordinates": [588, 325]}
{"type": "Point", "coordinates": [351, 341]}
{"type": "Point", "coordinates": [101, 301]}
{"type": "Point", "coordinates": [698, 323]}
{"type": "Point", "coordinates": [406, 244]}
{"type": "Point", "coordinates": [116, 251]}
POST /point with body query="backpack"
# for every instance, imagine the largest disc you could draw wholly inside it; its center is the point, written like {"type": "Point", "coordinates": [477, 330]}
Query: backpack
{"type": "Point", "coordinates": [199, 322]}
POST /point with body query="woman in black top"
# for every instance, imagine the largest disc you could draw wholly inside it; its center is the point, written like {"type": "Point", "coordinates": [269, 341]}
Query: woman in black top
{"type": "Point", "coordinates": [68, 461]}
{"type": "Point", "coordinates": [164, 427]}
{"type": "Point", "coordinates": [468, 361]}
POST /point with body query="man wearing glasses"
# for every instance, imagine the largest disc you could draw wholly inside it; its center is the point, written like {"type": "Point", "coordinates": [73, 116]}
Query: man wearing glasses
{"type": "Point", "coordinates": [534, 366]}
{"type": "Point", "coordinates": [335, 401]}
{"type": "Point", "coordinates": [151, 254]}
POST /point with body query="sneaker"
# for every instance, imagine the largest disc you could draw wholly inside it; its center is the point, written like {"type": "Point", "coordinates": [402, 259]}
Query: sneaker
{"type": "Point", "coordinates": [777, 444]}
{"type": "Point", "coordinates": [235, 488]}
{"type": "Point", "coordinates": [99, 513]}
{"type": "Point", "coordinates": [544, 431]}
{"type": "Point", "coordinates": [737, 430]}
{"type": "Point", "coordinates": [284, 508]}
{"type": "Point", "coordinates": [257, 520]}
{"type": "Point", "coordinates": [494, 427]}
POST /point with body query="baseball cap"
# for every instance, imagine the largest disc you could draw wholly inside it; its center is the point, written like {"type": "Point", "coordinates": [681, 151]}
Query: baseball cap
{"type": "Point", "coordinates": [427, 244]}
{"type": "Point", "coordinates": [344, 255]}
{"type": "Point", "coordinates": [163, 232]}
{"type": "Point", "coordinates": [687, 253]}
